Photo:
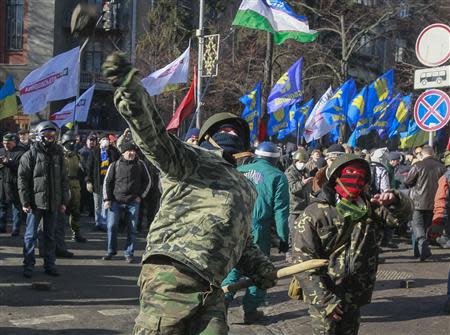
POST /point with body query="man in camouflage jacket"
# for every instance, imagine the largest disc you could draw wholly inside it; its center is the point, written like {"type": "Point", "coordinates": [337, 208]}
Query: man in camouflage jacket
{"type": "Point", "coordinates": [344, 229]}
{"type": "Point", "coordinates": [202, 229]}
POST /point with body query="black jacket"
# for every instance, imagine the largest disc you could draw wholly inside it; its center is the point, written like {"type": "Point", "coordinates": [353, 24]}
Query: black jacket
{"type": "Point", "coordinates": [126, 180]}
{"type": "Point", "coordinates": [8, 175]}
{"type": "Point", "coordinates": [93, 166]}
{"type": "Point", "coordinates": [423, 180]}
{"type": "Point", "coordinates": [42, 178]}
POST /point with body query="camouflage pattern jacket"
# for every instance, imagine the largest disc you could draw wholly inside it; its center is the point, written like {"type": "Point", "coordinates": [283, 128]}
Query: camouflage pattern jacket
{"type": "Point", "coordinates": [351, 248]}
{"type": "Point", "coordinates": [204, 220]}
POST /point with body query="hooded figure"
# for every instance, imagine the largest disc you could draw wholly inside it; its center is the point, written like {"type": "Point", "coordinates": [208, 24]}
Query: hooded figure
{"type": "Point", "coordinates": [342, 225]}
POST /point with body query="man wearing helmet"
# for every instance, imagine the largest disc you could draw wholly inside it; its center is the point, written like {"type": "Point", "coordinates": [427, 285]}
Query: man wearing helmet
{"type": "Point", "coordinates": [202, 229]}
{"type": "Point", "coordinates": [342, 224]}
{"type": "Point", "coordinates": [44, 191]}
{"type": "Point", "coordinates": [271, 207]}
{"type": "Point", "coordinates": [74, 170]}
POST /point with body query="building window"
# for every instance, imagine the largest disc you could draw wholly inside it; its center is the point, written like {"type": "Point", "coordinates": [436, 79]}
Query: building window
{"type": "Point", "coordinates": [93, 61]}
{"type": "Point", "coordinates": [14, 24]}
{"type": "Point", "coordinates": [400, 48]}
{"type": "Point", "coordinates": [404, 9]}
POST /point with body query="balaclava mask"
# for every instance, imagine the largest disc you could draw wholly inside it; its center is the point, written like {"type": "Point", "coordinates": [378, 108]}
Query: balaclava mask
{"type": "Point", "coordinates": [351, 181]}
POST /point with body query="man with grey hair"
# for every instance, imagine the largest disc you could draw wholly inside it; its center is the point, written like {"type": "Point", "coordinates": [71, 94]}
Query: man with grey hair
{"type": "Point", "coordinates": [422, 180]}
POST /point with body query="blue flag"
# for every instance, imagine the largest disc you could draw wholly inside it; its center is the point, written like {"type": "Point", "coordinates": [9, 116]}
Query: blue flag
{"type": "Point", "coordinates": [278, 121]}
{"type": "Point", "coordinates": [357, 110]}
{"type": "Point", "coordinates": [297, 118]}
{"type": "Point", "coordinates": [379, 94]}
{"type": "Point", "coordinates": [386, 116]}
{"type": "Point", "coordinates": [252, 111]}
{"type": "Point", "coordinates": [399, 123]}
{"type": "Point", "coordinates": [413, 136]}
{"type": "Point", "coordinates": [288, 89]}
{"type": "Point", "coordinates": [335, 111]}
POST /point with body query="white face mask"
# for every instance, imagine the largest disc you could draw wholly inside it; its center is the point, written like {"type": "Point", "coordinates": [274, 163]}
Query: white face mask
{"type": "Point", "coordinates": [300, 166]}
{"type": "Point", "coordinates": [104, 144]}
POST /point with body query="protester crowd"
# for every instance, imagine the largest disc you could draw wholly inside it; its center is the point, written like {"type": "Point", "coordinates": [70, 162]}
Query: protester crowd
{"type": "Point", "coordinates": [50, 181]}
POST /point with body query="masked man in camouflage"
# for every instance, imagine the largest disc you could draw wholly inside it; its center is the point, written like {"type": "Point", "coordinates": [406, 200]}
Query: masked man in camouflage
{"type": "Point", "coordinates": [202, 229]}
{"type": "Point", "coordinates": [342, 224]}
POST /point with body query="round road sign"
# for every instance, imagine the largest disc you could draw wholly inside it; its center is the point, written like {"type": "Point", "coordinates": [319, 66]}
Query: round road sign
{"type": "Point", "coordinates": [433, 45]}
{"type": "Point", "coordinates": [431, 111]}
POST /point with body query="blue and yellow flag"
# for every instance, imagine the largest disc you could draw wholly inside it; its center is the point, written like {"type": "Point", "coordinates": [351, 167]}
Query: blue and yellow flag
{"type": "Point", "coordinates": [357, 111]}
{"type": "Point", "coordinates": [8, 100]}
{"type": "Point", "coordinates": [399, 122]}
{"type": "Point", "coordinates": [335, 111]}
{"type": "Point", "coordinates": [414, 136]}
{"type": "Point", "coordinates": [278, 121]}
{"type": "Point", "coordinates": [298, 114]}
{"type": "Point", "coordinates": [288, 90]}
{"type": "Point", "coordinates": [386, 116]}
{"type": "Point", "coordinates": [379, 94]}
{"type": "Point", "coordinates": [252, 111]}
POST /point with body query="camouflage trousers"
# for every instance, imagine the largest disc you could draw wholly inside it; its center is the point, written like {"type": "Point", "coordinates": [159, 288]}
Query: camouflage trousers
{"type": "Point", "coordinates": [349, 325]}
{"type": "Point", "coordinates": [174, 300]}
{"type": "Point", "coordinates": [73, 208]}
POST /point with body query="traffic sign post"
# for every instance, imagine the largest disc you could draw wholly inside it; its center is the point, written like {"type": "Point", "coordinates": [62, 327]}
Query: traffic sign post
{"type": "Point", "coordinates": [432, 111]}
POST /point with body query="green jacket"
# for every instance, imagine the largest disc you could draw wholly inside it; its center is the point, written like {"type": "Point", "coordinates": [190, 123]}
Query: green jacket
{"type": "Point", "coordinates": [351, 248]}
{"type": "Point", "coordinates": [204, 220]}
{"type": "Point", "coordinates": [272, 203]}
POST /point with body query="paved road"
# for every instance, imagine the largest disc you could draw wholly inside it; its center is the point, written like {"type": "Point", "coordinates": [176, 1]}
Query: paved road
{"type": "Point", "coordinates": [101, 297]}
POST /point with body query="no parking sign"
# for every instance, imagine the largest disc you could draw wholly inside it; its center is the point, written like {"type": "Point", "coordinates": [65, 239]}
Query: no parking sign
{"type": "Point", "coordinates": [431, 111]}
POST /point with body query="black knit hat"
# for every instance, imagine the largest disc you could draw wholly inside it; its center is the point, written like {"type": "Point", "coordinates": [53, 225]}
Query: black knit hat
{"type": "Point", "coordinates": [9, 137]}
{"type": "Point", "coordinates": [128, 146]}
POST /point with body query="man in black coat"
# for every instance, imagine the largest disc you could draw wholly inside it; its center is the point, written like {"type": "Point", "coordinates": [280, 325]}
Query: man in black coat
{"type": "Point", "coordinates": [127, 182]}
{"type": "Point", "coordinates": [9, 197]}
{"type": "Point", "coordinates": [44, 193]}
{"type": "Point", "coordinates": [98, 163]}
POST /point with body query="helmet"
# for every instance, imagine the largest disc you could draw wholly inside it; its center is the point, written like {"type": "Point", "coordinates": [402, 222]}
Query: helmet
{"type": "Point", "coordinates": [46, 125]}
{"type": "Point", "coordinates": [300, 155]}
{"type": "Point", "coordinates": [342, 160]}
{"type": "Point", "coordinates": [68, 136]}
{"type": "Point", "coordinates": [212, 125]}
{"type": "Point", "coordinates": [9, 137]}
{"type": "Point", "coordinates": [268, 151]}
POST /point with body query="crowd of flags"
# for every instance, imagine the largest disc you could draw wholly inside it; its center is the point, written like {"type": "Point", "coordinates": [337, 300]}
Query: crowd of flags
{"type": "Point", "coordinates": [374, 108]}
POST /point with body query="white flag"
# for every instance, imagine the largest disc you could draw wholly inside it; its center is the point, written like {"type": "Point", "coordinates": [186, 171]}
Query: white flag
{"type": "Point", "coordinates": [65, 115]}
{"type": "Point", "coordinates": [174, 73]}
{"type": "Point", "coordinates": [55, 80]}
{"type": "Point", "coordinates": [316, 126]}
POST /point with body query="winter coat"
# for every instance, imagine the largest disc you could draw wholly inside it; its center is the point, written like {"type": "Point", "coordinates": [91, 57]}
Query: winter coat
{"type": "Point", "coordinates": [126, 180]}
{"type": "Point", "coordinates": [8, 175]}
{"type": "Point", "coordinates": [42, 178]}
{"type": "Point", "coordinates": [423, 180]}
{"type": "Point", "coordinates": [298, 191]}
{"type": "Point", "coordinates": [93, 166]}
{"type": "Point", "coordinates": [351, 248]}
{"type": "Point", "coordinates": [272, 203]}
{"type": "Point", "coordinates": [380, 178]}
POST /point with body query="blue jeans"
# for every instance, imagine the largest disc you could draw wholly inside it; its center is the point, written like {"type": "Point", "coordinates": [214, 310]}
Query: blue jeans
{"type": "Point", "coordinates": [30, 236]}
{"type": "Point", "coordinates": [16, 212]}
{"type": "Point", "coordinates": [100, 212]}
{"type": "Point", "coordinates": [113, 221]}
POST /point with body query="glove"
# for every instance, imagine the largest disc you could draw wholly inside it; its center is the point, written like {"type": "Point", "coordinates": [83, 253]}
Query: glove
{"type": "Point", "coordinates": [283, 247]}
{"type": "Point", "coordinates": [90, 187]}
{"type": "Point", "coordinates": [263, 279]}
{"type": "Point", "coordinates": [115, 68]}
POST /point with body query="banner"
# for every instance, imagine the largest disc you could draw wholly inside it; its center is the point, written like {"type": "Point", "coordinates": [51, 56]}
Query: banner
{"type": "Point", "coordinates": [55, 80]}
{"type": "Point", "coordinates": [175, 73]}
{"type": "Point", "coordinates": [316, 125]}
{"type": "Point", "coordinates": [83, 103]}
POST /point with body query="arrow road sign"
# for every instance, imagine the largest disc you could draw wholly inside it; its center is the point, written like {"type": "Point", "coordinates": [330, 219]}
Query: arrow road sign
{"type": "Point", "coordinates": [431, 111]}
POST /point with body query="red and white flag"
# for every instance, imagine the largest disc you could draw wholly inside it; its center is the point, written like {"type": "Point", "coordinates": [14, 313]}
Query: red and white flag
{"type": "Point", "coordinates": [55, 80]}
{"type": "Point", "coordinates": [317, 126]}
{"type": "Point", "coordinates": [186, 107]}
{"type": "Point", "coordinates": [65, 115]}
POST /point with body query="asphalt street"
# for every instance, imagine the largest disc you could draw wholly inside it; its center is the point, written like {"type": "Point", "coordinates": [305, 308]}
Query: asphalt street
{"type": "Point", "coordinates": [96, 297]}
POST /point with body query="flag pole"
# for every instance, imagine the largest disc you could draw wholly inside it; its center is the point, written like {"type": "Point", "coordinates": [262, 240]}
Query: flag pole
{"type": "Point", "coordinates": [200, 35]}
